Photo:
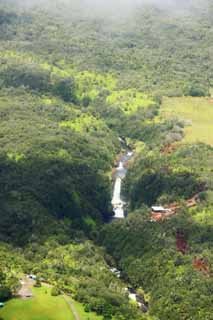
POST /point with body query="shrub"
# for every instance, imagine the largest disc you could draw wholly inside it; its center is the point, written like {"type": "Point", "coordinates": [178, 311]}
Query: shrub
{"type": "Point", "coordinates": [86, 101]}
{"type": "Point", "coordinates": [196, 90]}
{"type": "Point", "coordinates": [55, 292]}
{"type": "Point", "coordinates": [5, 293]}
{"type": "Point", "coordinates": [65, 88]}
{"type": "Point", "coordinates": [37, 283]}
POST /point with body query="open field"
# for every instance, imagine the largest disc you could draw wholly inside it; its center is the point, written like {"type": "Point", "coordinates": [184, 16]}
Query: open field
{"type": "Point", "coordinates": [43, 306]}
{"type": "Point", "coordinates": [197, 112]}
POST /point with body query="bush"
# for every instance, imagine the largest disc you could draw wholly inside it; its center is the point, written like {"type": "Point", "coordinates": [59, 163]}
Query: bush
{"type": "Point", "coordinates": [87, 308]}
{"type": "Point", "coordinates": [65, 89]}
{"type": "Point", "coordinates": [86, 101]}
{"type": "Point", "coordinates": [196, 90]}
{"type": "Point", "coordinates": [37, 283]}
{"type": "Point", "coordinates": [203, 196]}
{"type": "Point", "coordinates": [5, 293]}
{"type": "Point", "coordinates": [31, 77]}
{"type": "Point", "coordinates": [55, 292]}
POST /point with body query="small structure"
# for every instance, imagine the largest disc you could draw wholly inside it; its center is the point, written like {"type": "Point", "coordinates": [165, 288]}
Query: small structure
{"type": "Point", "coordinates": [1, 304]}
{"type": "Point", "coordinates": [159, 213]}
{"type": "Point", "coordinates": [159, 209]}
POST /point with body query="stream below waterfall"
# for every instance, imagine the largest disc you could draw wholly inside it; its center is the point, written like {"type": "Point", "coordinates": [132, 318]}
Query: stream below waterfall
{"type": "Point", "coordinates": [120, 211]}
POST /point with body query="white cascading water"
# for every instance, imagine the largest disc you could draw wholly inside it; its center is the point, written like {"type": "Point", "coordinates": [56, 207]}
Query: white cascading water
{"type": "Point", "coordinates": [118, 204]}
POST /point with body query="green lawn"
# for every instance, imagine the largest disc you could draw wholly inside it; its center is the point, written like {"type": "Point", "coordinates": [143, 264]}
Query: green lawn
{"type": "Point", "coordinates": [84, 315]}
{"type": "Point", "coordinates": [198, 112]}
{"type": "Point", "coordinates": [43, 307]}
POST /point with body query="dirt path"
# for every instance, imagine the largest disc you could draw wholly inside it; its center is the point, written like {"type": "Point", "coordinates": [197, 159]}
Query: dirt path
{"type": "Point", "coordinates": [26, 288]}
{"type": "Point", "coordinates": [72, 307]}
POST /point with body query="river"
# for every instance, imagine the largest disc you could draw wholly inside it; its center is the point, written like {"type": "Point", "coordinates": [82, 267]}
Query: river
{"type": "Point", "coordinates": [119, 209]}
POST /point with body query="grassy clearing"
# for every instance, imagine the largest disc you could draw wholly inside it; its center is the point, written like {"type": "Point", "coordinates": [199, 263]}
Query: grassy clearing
{"type": "Point", "coordinates": [43, 307]}
{"type": "Point", "coordinates": [198, 112]}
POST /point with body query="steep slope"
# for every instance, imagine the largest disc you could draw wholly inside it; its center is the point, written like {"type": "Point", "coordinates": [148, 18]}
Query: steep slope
{"type": "Point", "coordinates": [73, 82]}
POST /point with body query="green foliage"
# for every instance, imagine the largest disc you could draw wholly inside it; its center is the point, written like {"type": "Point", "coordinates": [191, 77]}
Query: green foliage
{"type": "Point", "coordinates": [79, 270]}
{"type": "Point", "coordinates": [157, 177]}
{"type": "Point", "coordinates": [146, 253]}
{"type": "Point", "coordinates": [70, 86]}
{"type": "Point", "coordinates": [55, 292]}
{"type": "Point", "coordinates": [195, 90]}
{"type": "Point", "coordinates": [129, 100]}
{"type": "Point", "coordinates": [65, 89]}
{"type": "Point", "coordinates": [10, 266]}
{"type": "Point", "coordinates": [5, 293]}
{"type": "Point", "coordinates": [46, 166]}
{"type": "Point", "coordinates": [37, 283]}
{"type": "Point", "coordinates": [42, 304]}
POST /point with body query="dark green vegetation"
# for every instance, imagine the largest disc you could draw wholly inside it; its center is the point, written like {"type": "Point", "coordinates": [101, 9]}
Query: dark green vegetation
{"type": "Point", "coordinates": [150, 254]}
{"type": "Point", "coordinates": [166, 178]}
{"type": "Point", "coordinates": [147, 254]}
{"type": "Point", "coordinates": [10, 264]}
{"type": "Point", "coordinates": [49, 170]}
{"type": "Point", "coordinates": [72, 82]}
{"type": "Point", "coordinates": [77, 269]}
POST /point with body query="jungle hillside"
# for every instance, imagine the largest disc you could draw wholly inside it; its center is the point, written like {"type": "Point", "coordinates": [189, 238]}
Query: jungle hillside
{"type": "Point", "coordinates": [82, 84]}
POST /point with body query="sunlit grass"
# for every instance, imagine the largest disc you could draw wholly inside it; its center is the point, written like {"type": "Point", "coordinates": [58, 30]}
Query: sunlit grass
{"type": "Point", "coordinates": [41, 307]}
{"type": "Point", "coordinates": [85, 315]}
{"type": "Point", "coordinates": [198, 114]}
{"type": "Point", "coordinates": [204, 217]}
{"type": "Point", "coordinates": [129, 100]}
{"type": "Point", "coordinates": [91, 83]}
{"type": "Point", "coordinates": [84, 123]}
{"type": "Point", "coordinates": [87, 83]}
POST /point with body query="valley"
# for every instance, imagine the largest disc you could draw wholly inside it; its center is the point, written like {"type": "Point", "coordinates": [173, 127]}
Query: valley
{"type": "Point", "coordinates": [106, 157]}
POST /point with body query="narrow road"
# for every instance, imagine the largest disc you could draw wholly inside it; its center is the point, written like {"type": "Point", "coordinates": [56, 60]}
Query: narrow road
{"type": "Point", "coordinates": [25, 291]}
{"type": "Point", "coordinates": [72, 307]}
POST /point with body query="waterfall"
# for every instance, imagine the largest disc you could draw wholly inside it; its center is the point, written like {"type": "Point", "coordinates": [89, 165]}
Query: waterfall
{"type": "Point", "coordinates": [117, 203]}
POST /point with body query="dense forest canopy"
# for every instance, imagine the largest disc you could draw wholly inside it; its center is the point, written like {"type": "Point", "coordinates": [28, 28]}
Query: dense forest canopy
{"type": "Point", "coordinates": [76, 79]}
{"type": "Point", "coordinates": [156, 46]}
